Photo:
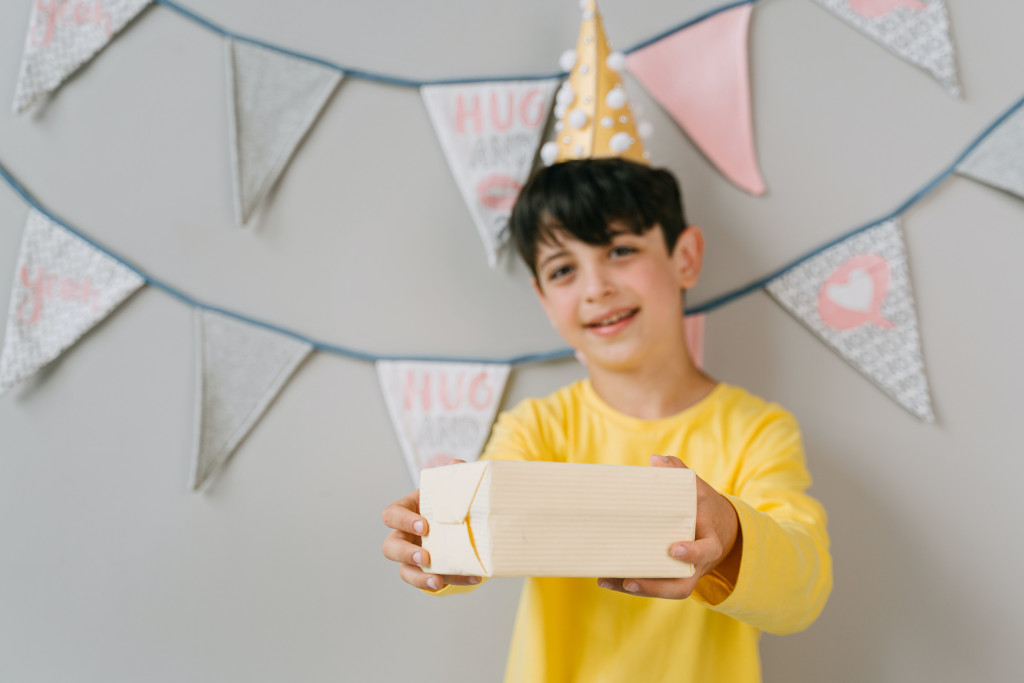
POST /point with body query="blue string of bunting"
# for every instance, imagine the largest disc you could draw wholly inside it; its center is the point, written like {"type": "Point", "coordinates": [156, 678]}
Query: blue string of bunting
{"type": "Point", "coordinates": [556, 354]}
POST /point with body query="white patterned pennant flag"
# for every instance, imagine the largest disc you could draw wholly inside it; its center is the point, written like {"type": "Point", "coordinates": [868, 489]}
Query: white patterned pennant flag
{"type": "Point", "coordinates": [490, 133]}
{"type": "Point", "coordinates": [274, 100]}
{"type": "Point", "coordinates": [62, 36]}
{"type": "Point", "coordinates": [999, 159]}
{"type": "Point", "coordinates": [241, 369]}
{"type": "Point", "coordinates": [63, 286]}
{"type": "Point", "coordinates": [915, 30]}
{"type": "Point", "coordinates": [441, 410]}
{"type": "Point", "coordinates": [857, 297]}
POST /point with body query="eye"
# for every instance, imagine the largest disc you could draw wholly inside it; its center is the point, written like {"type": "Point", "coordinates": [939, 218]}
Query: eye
{"type": "Point", "coordinates": [621, 250]}
{"type": "Point", "coordinates": [559, 272]}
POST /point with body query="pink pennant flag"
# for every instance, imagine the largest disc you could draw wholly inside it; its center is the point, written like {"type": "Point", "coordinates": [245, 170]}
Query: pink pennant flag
{"type": "Point", "coordinates": [700, 75]}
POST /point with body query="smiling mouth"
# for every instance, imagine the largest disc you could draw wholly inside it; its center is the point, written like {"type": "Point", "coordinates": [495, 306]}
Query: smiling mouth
{"type": "Point", "coordinates": [612, 319]}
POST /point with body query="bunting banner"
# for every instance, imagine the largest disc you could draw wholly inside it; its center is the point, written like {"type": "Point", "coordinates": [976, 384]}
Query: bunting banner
{"type": "Point", "coordinates": [441, 410]}
{"type": "Point", "coordinates": [63, 286]}
{"type": "Point", "coordinates": [915, 30]}
{"type": "Point", "coordinates": [274, 100]}
{"type": "Point", "coordinates": [62, 36]}
{"type": "Point", "coordinates": [701, 77]}
{"type": "Point", "coordinates": [241, 367]}
{"type": "Point", "coordinates": [490, 133]}
{"type": "Point", "coordinates": [998, 160]}
{"type": "Point", "coordinates": [856, 296]}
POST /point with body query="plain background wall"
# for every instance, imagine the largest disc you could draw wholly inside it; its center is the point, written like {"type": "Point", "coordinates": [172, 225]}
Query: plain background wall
{"type": "Point", "coordinates": [111, 571]}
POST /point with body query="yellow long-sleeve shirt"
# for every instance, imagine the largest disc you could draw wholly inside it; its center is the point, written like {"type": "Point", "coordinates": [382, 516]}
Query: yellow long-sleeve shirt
{"type": "Point", "coordinates": [569, 630]}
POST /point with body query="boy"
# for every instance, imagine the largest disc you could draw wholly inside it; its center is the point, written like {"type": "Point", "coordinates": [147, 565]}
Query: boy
{"type": "Point", "coordinates": [611, 256]}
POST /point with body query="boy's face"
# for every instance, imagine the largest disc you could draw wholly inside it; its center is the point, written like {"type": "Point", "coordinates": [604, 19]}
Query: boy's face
{"type": "Point", "coordinates": [620, 304]}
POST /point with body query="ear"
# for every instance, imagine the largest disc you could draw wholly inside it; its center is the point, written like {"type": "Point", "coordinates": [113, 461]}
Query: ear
{"type": "Point", "coordinates": [688, 256]}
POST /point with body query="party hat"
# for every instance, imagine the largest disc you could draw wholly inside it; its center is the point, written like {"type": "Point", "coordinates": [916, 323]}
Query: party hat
{"type": "Point", "coordinates": [593, 117]}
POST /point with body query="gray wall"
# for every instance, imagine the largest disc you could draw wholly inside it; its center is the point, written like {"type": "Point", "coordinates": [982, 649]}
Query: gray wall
{"type": "Point", "coordinates": [111, 571]}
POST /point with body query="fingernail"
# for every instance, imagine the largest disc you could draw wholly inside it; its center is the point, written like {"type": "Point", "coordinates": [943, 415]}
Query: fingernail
{"type": "Point", "coordinates": [604, 584]}
{"type": "Point", "coordinates": [417, 557]}
{"type": "Point", "coordinates": [418, 526]}
{"type": "Point", "coordinates": [632, 586]}
{"type": "Point", "coordinates": [679, 551]}
{"type": "Point", "coordinates": [474, 580]}
{"type": "Point", "coordinates": [432, 582]}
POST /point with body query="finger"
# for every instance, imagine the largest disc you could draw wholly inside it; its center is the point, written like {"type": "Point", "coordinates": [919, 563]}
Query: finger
{"type": "Point", "coordinates": [398, 548]}
{"type": "Point", "coordinates": [611, 584]}
{"type": "Point", "coordinates": [459, 580]}
{"type": "Point", "coordinates": [673, 589]}
{"type": "Point", "coordinates": [414, 576]}
{"type": "Point", "coordinates": [703, 551]}
{"type": "Point", "coordinates": [667, 461]}
{"type": "Point", "coordinates": [399, 515]}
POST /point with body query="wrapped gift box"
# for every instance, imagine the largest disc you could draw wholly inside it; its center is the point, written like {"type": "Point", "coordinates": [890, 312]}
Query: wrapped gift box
{"type": "Point", "coordinates": [505, 518]}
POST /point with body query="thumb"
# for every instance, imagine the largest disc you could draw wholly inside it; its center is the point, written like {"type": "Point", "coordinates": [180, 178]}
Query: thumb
{"type": "Point", "coordinates": [667, 461]}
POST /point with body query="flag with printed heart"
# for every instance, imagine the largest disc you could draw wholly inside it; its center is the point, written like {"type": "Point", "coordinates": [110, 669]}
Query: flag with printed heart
{"type": "Point", "coordinates": [998, 160]}
{"type": "Point", "coordinates": [63, 287]}
{"type": "Point", "coordinates": [490, 133]}
{"type": "Point", "coordinates": [915, 30]}
{"type": "Point", "coordinates": [441, 410]}
{"type": "Point", "coordinates": [62, 36]}
{"type": "Point", "coordinates": [242, 367]}
{"type": "Point", "coordinates": [274, 99]}
{"type": "Point", "coordinates": [701, 76]}
{"type": "Point", "coordinates": [856, 296]}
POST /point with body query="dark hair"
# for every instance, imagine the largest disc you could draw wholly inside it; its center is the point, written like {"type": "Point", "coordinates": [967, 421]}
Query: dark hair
{"type": "Point", "coordinates": [582, 197]}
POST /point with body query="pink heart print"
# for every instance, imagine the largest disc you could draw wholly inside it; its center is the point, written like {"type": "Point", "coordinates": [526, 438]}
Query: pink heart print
{"type": "Point", "coordinates": [852, 296]}
{"type": "Point", "coordinates": [878, 8]}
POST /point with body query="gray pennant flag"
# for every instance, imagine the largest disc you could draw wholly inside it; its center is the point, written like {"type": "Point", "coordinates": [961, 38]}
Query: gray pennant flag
{"type": "Point", "coordinates": [62, 36]}
{"type": "Point", "coordinates": [856, 296]}
{"type": "Point", "coordinates": [241, 369]}
{"type": "Point", "coordinates": [998, 160]}
{"type": "Point", "coordinates": [274, 99]}
{"type": "Point", "coordinates": [915, 30]}
{"type": "Point", "coordinates": [63, 286]}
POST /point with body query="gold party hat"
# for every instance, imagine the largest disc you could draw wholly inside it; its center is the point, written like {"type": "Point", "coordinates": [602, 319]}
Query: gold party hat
{"type": "Point", "coordinates": [593, 117]}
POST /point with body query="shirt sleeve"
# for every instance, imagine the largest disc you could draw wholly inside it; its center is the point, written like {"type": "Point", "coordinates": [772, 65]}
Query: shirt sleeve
{"type": "Point", "coordinates": [785, 574]}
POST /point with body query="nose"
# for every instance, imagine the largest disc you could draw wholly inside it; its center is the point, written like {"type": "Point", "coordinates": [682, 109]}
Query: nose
{"type": "Point", "coordinates": [597, 284]}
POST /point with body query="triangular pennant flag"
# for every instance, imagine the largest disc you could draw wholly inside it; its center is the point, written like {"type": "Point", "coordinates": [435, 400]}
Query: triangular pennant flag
{"type": "Point", "coordinates": [490, 133]}
{"type": "Point", "coordinates": [62, 36]}
{"type": "Point", "coordinates": [999, 159]}
{"type": "Point", "coordinates": [441, 410]}
{"type": "Point", "coordinates": [701, 76]}
{"type": "Point", "coordinates": [241, 369]}
{"type": "Point", "coordinates": [915, 30]}
{"type": "Point", "coordinates": [857, 297]}
{"type": "Point", "coordinates": [63, 286]}
{"type": "Point", "coordinates": [274, 100]}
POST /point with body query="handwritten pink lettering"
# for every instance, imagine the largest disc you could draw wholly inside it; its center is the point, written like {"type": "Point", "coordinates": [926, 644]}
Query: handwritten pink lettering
{"type": "Point", "coordinates": [45, 287]}
{"type": "Point", "coordinates": [51, 13]}
{"type": "Point", "coordinates": [448, 392]}
{"type": "Point", "coordinates": [501, 114]}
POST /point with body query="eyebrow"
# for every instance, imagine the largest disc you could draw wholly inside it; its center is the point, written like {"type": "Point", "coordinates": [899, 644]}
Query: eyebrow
{"type": "Point", "coordinates": [557, 254]}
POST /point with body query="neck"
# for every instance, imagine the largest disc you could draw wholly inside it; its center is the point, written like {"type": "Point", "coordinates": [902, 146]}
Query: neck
{"type": "Point", "coordinates": [655, 390]}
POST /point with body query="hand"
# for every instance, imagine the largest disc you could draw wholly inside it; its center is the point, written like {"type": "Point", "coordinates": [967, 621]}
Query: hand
{"type": "Point", "coordinates": [403, 544]}
{"type": "Point", "coordinates": [716, 545]}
